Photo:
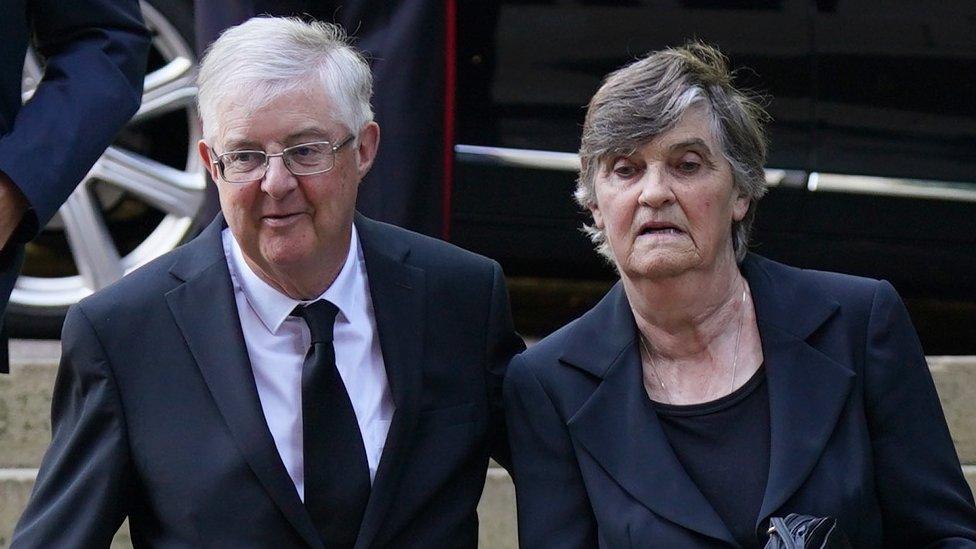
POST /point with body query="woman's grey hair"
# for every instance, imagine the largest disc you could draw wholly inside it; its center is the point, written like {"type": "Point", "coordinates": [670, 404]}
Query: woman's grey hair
{"type": "Point", "coordinates": [647, 97]}
{"type": "Point", "coordinates": [265, 57]}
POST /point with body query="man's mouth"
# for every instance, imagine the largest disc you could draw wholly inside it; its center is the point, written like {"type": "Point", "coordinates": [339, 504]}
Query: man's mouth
{"type": "Point", "coordinates": [281, 218]}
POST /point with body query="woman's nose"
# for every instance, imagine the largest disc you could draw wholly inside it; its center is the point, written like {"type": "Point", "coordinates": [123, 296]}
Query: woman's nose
{"type": "Point", "coordinates": [655, 188]}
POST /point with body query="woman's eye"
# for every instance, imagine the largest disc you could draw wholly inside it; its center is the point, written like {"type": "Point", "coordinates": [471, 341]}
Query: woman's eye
{"type": "Point", "coordinates": [688, 164]}
{"type": "Point", "coordinates": [625, 170]}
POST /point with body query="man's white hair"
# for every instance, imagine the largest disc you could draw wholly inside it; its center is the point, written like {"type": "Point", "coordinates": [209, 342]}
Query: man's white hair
{"type": "Point", "coordinates": [266, 57]}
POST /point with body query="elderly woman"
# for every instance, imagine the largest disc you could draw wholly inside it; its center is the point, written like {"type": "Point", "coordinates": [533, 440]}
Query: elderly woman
{"type": "Point", "coordinates": [713, 389]}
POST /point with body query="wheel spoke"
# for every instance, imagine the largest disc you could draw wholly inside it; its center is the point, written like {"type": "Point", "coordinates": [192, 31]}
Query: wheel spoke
{"type": "Point", "coordinates": [168, 88]}
{"type": "Point", "coordinates": [91, 244]}
{"type": "Point", "coordinates": [33, 72]}
{"type": "Point", "coordinates": [168, 189]}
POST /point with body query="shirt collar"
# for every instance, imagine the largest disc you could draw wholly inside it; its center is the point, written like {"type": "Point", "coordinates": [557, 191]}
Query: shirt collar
{"type": "Point", "coordinates": [271, 306]}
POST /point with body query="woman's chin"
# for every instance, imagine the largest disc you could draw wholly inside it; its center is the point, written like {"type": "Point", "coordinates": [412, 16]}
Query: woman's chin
{"type": "Point", "coordinates": [661, 264]}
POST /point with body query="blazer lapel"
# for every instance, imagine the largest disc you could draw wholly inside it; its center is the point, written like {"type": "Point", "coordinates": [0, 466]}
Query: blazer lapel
{"type": "Point", "coordinates": [618, 426]}
{"type": "Point", "coordinates": [397, 291]}
{"type": "Point", "coordinates": [807, 389]}
{"type": "Point", "coordinates": [206, 312]}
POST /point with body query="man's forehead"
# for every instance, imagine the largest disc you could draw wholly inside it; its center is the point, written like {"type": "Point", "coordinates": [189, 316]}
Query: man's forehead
{"type": "Point", "coordinates": [237, 137]}
{"type": "Point", "coordinates": [282, 118]}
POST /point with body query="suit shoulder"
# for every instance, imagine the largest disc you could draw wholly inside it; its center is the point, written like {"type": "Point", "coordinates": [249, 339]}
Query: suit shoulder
{"type": "Point", "coordinates": [426, 250]}
{"type": "Point", "coordinates": [543, 357]}
{"type": "Point", "coordinates": [146, 284]}
{"type": "Point", "coordinates": [846, 289]}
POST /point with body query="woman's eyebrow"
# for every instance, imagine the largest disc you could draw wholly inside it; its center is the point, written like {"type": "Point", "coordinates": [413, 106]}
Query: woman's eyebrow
{"type": "Point", "coordinates": [689, 143]}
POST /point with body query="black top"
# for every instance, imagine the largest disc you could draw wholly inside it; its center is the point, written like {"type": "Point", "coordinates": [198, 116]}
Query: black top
{"type": "Point", "coordinates": [724, 447]}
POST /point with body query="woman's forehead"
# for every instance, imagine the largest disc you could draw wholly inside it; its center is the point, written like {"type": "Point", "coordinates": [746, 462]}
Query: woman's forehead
{"type": "Point", "coordinates": [693, 130]}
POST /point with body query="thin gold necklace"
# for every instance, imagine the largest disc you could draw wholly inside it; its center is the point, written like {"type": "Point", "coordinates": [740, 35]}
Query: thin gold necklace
{"type": "Point", "coordinates": [735, 354]}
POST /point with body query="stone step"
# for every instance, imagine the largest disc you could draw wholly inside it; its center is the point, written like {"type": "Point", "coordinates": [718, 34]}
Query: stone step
{"type": "Point", "coordinates": [496, 511]}
{"type": "Point", "coordinates": [955, 380]}
{"type": "Point", "coordinates": [25, 402]}
{"type": "Point", "coordinates": [15, 486]}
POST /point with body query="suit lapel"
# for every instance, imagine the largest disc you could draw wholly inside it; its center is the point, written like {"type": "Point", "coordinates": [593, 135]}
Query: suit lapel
{"type": "Point", "coordinates": [206, 312]}
{"type": "Point", "coordinates": [618, 426]}
{"type": "Point", "coordinates": [397, 291]}
{"type": "Point", "coordinates": [807, 389]}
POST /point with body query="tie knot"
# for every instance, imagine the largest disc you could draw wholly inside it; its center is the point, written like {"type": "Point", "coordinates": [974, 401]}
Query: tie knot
{"type": "Point", "coordinates": [320, 316]}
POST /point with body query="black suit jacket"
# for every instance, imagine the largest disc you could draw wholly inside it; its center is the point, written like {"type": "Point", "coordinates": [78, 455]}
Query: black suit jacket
{"type": "Point", "coordinates": [157, 417]}
{"type": "Point", "coordinates": [857, 431]}
{"type": "Point", "coordinates": [95, 54]}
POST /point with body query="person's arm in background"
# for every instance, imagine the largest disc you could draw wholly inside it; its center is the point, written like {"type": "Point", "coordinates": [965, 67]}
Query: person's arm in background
{"type": "Point", "coordinates": [95, 55]}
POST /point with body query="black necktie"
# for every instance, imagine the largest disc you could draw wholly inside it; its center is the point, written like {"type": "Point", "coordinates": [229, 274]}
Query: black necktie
{"type": "Point", "coordinates": [336, 472]}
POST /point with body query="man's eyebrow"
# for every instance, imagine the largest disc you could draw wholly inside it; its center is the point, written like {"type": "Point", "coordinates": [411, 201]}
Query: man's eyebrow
{"type": "Point", "coordinates": [241, 145]}
{"type": "Point", "coordinates": [307, 133]}
{"type": "Point", "coordinates": [690, 143]}
{"type": "Point", "coordinates": [302, 135]}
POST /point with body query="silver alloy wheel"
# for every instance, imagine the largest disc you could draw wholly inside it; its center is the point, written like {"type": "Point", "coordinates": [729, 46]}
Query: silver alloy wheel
{"type": "Point", "coordinates": [179, 194]}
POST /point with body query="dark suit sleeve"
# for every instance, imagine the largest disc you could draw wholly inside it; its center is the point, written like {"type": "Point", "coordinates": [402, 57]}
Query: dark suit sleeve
{"type": "Point", "coordinates": [82, 489]}
{"type": "Point", "coordinates": [924, 498]}
{"type": "Point", "coordinates": [503, 342]}
{"type": "Point", "coordinates": [553, 507]}
{"type": "Point", "coordinates": [96, 57]}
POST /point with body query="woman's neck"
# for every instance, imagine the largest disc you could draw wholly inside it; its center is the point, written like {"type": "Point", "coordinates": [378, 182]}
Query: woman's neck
{"type": "Point", "coordinates": [682, 316]}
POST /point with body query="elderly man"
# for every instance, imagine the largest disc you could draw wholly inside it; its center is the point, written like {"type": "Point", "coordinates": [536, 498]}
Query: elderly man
{"type": "Point", "coordinates": [298, 375]}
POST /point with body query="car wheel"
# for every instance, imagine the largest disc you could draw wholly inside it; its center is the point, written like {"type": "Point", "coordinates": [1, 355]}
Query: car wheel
{"type": "Point", "coordinates": [145, 195]}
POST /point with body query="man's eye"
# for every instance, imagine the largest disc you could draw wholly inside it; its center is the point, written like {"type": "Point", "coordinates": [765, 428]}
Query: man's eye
{"type": "Point", "coordinates": [241, 157]}
{"type": "Point", "coordinates": [307, 155]}
{"type": "Point", "coordinates": [688, 166]}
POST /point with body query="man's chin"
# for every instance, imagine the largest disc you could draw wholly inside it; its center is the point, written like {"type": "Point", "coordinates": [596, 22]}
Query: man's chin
{"type": "Point", "coordinates": [281, 251]}
{"type": "Point", "coordinates": [281, 260]}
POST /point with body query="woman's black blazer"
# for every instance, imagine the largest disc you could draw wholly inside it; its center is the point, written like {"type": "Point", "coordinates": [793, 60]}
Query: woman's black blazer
{"type": "Point", "coordinates": [857, 430]}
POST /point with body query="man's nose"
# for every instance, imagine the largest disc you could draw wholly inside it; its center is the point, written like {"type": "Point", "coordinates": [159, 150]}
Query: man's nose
{"type": "Point", "coordinates": [655, 188]}
{"type": "Point", "coordinates": [278, 181]}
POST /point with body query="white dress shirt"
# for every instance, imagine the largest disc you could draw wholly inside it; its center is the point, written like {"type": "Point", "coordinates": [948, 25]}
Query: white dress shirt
{"type": "Point", "coordinates": [277, 343]}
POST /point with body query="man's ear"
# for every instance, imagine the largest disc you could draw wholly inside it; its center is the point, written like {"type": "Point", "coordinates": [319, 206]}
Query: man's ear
{"type": "Point", "coordinates": [204, 151]}
{"type": "Point", "coordinates": [366, 147]}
